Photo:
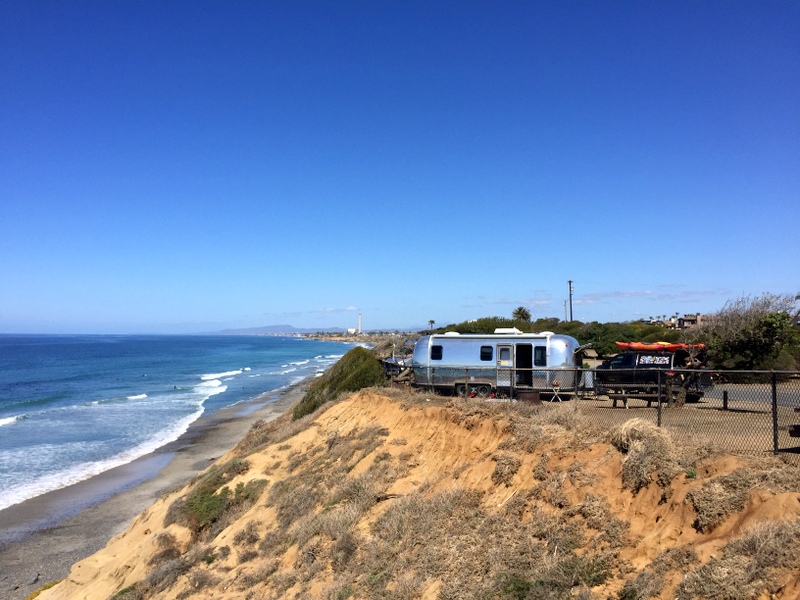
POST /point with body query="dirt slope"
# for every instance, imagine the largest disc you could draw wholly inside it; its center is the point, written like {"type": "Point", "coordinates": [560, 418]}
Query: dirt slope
{"type": "Point", "coordinates": [380, 497]}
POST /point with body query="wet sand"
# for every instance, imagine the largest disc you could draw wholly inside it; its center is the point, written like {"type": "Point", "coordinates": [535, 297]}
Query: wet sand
{"type": "Point", "coordinates": [41, 538]}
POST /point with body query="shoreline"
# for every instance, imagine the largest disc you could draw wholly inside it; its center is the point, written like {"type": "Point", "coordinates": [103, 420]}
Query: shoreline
{"type": "Point", "coordinates": [41, 538]}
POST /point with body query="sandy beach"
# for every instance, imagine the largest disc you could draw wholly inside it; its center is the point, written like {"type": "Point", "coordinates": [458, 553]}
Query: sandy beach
{"type": "Point", "coordinates": [40, 539]}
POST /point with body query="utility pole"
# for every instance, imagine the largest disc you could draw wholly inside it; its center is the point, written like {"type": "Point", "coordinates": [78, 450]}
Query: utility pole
{"type": "Point", "coordinates": [571, 289]}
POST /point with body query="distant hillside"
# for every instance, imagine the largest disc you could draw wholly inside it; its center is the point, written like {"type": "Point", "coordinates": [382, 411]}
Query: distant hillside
{"type": "Point", "coordinates": [275, 330]}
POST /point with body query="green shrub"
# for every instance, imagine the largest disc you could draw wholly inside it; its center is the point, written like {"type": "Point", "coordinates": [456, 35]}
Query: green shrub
{"type": "Point", "coordinates": [357, 369]}
{"type": "Point", "coordinates": [129, 593]}
{"type": "Point", "coordinates": [210, 499]}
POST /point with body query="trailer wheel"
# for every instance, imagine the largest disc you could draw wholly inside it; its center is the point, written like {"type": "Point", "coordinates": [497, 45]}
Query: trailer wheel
{"type": "Point", "coordinates": [461, 389]}
{"type": "Point", "coordinates": [483, 391]}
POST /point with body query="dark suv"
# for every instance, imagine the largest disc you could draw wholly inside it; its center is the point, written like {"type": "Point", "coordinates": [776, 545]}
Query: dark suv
{"type": "Point", "coordinates": [638, 371]}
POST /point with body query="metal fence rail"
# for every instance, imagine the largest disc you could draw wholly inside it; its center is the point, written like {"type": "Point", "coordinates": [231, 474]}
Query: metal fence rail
{"type": "Point", "coordinates": [738, 411]}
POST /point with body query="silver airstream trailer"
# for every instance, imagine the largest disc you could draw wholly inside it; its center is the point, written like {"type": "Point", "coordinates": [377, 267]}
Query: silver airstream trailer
{"type": "Point", "coordinates": [504, 363]}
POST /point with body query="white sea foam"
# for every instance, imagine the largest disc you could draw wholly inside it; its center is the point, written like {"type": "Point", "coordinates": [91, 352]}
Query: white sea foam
{"type": "Point", "coordinates": [167, 414]}
{"type": "Point", "coordinates": [211, 383]}
{"type": "Point", "coordinates": [211, 388]}
{"type": "Point", "coordinates": [284, 371]}
{"type": "Point", "coordinates": [211, 376]}
{"type": "Point", "coordinates": [30, 489]}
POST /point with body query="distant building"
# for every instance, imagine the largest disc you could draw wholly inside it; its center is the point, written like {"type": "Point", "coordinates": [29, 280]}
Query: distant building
{"type": "Point", "coordinates": [690, 321]}
{"type": "Point", "coordinates": [684, 322]}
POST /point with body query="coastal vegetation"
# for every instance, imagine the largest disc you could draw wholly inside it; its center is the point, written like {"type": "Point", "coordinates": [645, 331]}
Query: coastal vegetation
{"type": "Point", "coordinates": [357, 369]}
{"type": "Point", "coordinates": [202, 511]}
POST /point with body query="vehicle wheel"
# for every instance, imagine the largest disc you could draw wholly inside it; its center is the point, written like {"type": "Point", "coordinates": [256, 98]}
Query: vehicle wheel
{"type": "Point", "coordinates": [483, 391]}
{"type": "Point", "coordinates": [461, 389]}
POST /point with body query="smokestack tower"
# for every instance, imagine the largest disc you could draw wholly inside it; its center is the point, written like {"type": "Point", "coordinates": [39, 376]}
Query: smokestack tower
{"type": "Point", "coordinates": [359, 323]}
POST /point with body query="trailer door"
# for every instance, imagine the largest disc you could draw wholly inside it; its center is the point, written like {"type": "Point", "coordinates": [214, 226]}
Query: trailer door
{"type": "Point", "coordinates": [505, 365]}
{"type": "Point", "coordinates": [524, 363]}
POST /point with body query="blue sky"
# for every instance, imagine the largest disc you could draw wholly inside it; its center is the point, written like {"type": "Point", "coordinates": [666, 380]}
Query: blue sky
{"type": "Point", "coordinates": [190, 166]}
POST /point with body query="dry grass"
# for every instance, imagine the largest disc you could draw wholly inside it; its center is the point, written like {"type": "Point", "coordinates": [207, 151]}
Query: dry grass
{"type": "Point", "coordinates": [650, 582]}
{"type": "Point", "coordinates": [649, 452]}
{"type": "Point", "coordinates": [264, 433]}
{"type": "Point", "coordinates": [451, 537]}
{"type": "Point", "coordinates": [247, 536]}
{"type": "Point", "coordinates": [597, 513]}
{"type": "Point", "coordinates": [530, 427]}
{"type": "Point", "coordinates": [745, 569]}
{"type": "Point", "coordinates": [728, 494]}
{"type": "Point", "coordinates": [198, 580]}
{"type": "Point", "coordinates": [260, 574]}
{"type": "Point", "coordinates": [506, 466]}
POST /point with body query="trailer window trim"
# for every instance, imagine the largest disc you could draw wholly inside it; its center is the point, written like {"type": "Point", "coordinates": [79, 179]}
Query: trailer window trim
{"type": "Point", "coordinates": [487, 353]}
{"type": "Point", "coordinates": [436, 352]}
{"type": "Point", "coordinates": [540, 356]}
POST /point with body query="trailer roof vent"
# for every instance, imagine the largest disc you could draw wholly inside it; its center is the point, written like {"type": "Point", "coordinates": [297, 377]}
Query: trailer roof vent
{"type": "Point", "coordinates": [547, 333]}
{"type": "Point", "coordinates": [507, 330]}
{"type": "Point", "coordinates": [451, 333]}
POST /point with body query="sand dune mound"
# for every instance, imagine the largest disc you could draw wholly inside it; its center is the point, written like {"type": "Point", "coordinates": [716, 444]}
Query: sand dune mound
{"type": "Point", "coordinates": [388, 495]}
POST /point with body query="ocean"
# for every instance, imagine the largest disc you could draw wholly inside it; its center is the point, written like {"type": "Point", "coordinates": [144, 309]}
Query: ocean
{"type": "Point", "coordinates": [74, 406]}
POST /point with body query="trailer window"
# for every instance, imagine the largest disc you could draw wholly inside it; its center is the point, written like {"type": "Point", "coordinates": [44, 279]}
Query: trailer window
{"type": "Point", "coordinates": [487, 353]}
{"type": "Point", "coordinates": [436, 353]}
{"type": "Point", "coordinates": [540, 356]}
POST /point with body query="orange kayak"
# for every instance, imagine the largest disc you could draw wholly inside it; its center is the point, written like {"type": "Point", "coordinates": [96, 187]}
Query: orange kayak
{"type": "Point", "coordinates": [652, 346]}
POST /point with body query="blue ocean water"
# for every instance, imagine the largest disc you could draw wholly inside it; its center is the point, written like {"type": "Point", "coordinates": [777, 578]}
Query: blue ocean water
{"type": "Point", "coordinates": [74, 406]}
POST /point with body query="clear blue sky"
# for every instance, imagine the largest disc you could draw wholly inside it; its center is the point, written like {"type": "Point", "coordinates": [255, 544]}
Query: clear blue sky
{"type": "Point", "coordinates": [190, 166]}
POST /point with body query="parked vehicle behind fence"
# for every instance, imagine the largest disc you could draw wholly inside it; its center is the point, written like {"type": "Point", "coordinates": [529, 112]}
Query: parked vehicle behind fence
{"type": "Point", "coordinates": [639, 371]}
{"type": "Point", "coordinates": [503, 363]}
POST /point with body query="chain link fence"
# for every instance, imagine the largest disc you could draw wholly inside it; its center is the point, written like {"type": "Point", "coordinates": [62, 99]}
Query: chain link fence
{"type": "Point", "coordinates": [737, 411]}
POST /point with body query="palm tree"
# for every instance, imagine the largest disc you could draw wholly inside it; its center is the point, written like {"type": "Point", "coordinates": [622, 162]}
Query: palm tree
{"type": "Point", "coordinates": [521, 314]}
{"type": "Point", "coordinates": [431, 323]}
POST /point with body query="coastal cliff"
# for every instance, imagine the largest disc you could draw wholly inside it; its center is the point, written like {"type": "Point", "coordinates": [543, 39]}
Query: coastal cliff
{"type": "Point", "coordinates": [394, 494]}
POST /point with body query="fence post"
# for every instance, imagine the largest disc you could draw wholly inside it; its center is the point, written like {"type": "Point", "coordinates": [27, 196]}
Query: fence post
{"type": "Point", "coordinates": [724, 399]}
{"type": "Point", "coordinates": [774, 413]}
{"type": "Point", "coordinates": [660, 373]}
{"type": "Point", "coordinates": [466, 383]}
{"type": "Point", "coordinates": [576, 382]}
